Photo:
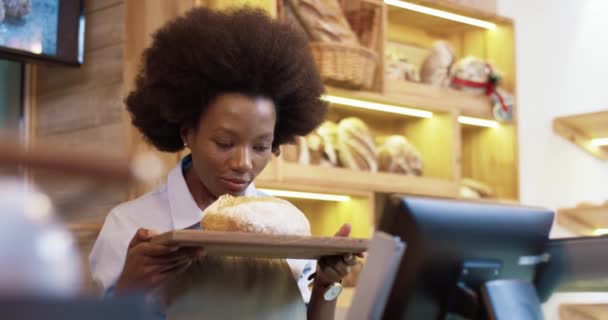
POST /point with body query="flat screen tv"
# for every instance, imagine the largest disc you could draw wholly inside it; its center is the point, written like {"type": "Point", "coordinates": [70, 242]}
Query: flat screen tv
{"type": "Point", "coordinates": [42, 31]}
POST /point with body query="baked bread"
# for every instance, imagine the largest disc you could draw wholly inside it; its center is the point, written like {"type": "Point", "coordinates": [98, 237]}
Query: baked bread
{"type": "Point", "coordinates": [473, 70]}
{"type": "Point", "coordinates": [324, 21]}
{"type": "Point", "coordinates": [356, 148]}
{"type": "Point", "coordinates": [267, 215]}
{"type": "Point", "coordinates": [435, 69]}
{"type": "Point", "coordinates": [482, 189]}
{"type": "Point", "coordinates": [396, 154]}
{"type": "Point", "coordinates": [321, 145]}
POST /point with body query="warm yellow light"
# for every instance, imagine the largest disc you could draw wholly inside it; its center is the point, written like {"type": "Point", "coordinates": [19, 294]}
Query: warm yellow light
{"type": "Point", "coordinates": [600, 142]}
{"type": "Point", "coordinates": [441, 14]}
{"type": "Point", "coordinates": [377, 106]}
{"type": "Point", "coordinates": [478, 122]}
{"type": "Point", "coordinates": [306, 195]}
{"type": "Point", "coordinates": [600, 232]}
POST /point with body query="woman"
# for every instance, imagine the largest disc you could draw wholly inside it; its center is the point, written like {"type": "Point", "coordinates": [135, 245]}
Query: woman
{"type": "Point", "coordinates": [231, 87]}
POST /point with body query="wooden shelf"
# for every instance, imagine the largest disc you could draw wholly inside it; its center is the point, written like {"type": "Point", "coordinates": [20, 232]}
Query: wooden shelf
{"type": "Point", "coordinates": [584, 219]}
{"type": "Point", "coordinates": [583, 311]}
{"type": "Point", "coordinates": [281, 174]}
{"type": "Point", "coordinates": [580, 129]}
{"type": "Point", "coordinates": [423, 96]}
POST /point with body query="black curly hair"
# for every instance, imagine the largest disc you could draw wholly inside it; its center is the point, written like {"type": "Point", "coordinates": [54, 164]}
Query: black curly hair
{"type": "Point", "coordinates": [204, 53]}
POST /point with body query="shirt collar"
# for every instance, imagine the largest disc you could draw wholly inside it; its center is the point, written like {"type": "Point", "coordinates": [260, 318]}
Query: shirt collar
{"type": "Point", "coordinates": [184, 210]}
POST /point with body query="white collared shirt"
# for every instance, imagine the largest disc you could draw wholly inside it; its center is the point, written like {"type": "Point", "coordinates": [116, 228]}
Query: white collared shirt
{"type": "Point", "coordinates": [169, 207]}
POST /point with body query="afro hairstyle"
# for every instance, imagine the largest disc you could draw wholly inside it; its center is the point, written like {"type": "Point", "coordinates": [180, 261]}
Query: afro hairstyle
{"type": "Point", "coordinates": [204, 53]}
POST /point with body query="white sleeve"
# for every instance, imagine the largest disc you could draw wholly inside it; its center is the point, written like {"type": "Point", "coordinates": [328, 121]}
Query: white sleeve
{"type": "Point", "coordinates": [301, 270]}
{"type": "Point", "coordinates": [109, 252]}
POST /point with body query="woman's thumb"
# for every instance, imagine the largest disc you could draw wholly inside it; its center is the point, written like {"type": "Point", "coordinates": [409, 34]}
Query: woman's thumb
{"type": "Point", "coordinates": [344, 230]}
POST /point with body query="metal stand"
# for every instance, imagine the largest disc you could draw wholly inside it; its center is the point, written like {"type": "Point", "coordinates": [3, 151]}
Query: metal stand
{"type": "Point", "coordinates": [479, 295]}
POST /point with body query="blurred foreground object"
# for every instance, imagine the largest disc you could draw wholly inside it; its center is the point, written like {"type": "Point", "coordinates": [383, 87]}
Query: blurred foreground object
{"type": "Point", "coordinates": [145, 166]}
{"type": "Point", "coordinates": [38, 256]}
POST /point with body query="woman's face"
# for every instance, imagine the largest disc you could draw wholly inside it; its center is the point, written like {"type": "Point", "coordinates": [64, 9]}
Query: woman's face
{"type": "Point", "coordinates": [233, 142]}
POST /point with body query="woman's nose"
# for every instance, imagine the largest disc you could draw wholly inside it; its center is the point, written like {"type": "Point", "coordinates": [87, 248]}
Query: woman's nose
{"type": "Point", "coordinates": [241, 161]}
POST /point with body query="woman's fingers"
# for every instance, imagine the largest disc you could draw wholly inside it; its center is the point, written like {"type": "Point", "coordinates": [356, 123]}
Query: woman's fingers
{"type": "Point", "coordinates": [155, 250]}
{"type": "Point", "coordinates": [350, 259]}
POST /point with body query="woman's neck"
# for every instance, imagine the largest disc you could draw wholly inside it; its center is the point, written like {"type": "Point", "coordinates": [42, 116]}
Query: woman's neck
{"type": "Point", "coordinates": [202, 196]}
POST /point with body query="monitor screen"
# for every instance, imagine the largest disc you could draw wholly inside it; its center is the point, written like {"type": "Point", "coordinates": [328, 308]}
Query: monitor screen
{"type": "Point", "coordinates": [454, 248]}
{"type": "Point", "coordinates": [42, 30]}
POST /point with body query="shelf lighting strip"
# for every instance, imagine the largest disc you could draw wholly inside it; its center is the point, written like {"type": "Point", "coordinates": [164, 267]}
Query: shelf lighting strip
{"type": "Point", "coordinates": [601, 142]}
{"type": "Point", "coordinates": [478, 122]}
{"type": "Point", "coordinates": [377, 106]}
{"type": "Point", "coordinates": [441, 14]}
{"type": "Point", "coordinates": [600, 232]}
{"type": "Point", "coordinates": [306, 195]}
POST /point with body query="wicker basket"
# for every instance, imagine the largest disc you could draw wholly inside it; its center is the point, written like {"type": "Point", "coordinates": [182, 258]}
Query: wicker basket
{"type": "Point", "coordinates": [344, 65]}
{"type": "Point", "coordinates": [365, 18]}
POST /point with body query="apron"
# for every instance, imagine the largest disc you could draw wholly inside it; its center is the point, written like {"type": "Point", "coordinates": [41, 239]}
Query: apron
{"type": "Point", "coordinates": [216, 287]}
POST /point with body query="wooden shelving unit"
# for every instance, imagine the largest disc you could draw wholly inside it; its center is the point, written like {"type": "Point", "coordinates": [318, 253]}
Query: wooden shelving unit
{"type": "Point", "coordinates": [582, 128]}
{"type": "Point", "coordinates": [422, 96]}
{"type": "Point", "coordinates": [286, 175]}
{"type": "Point", "coordinates": [584, 219]}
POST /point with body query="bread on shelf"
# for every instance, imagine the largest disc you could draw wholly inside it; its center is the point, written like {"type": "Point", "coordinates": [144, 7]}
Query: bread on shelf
{"type": "Point", "coordinates": [323, 20]}
{"type": "Point", "coordinates": [356, 148]}
{"type": "Point", "coordinates": [396, 154]}
{"type": "Point", "coordinates": [322, 145]}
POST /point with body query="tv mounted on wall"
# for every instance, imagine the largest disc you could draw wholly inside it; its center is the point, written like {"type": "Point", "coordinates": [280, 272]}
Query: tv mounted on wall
{"type": "Point", "coordinates": [50, 31]}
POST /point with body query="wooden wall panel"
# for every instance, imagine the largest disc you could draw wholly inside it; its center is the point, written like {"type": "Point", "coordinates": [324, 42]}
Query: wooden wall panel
{"type": "Point", "coordinates": [80, 108]}
{"type": "Point", "coordinates": [101, 67]}
{"type": "Point", "coordinates": [105, 27]}
{"type": "Point", "coordinates": [67, 112]}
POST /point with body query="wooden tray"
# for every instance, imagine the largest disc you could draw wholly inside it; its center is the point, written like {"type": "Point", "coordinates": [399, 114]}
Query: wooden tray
{"type": "Point", "coordinates": [261, 245]}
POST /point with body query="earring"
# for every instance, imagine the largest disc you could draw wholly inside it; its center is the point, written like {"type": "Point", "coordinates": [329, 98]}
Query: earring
{"type": "Point", "coordinates": [185, 145]}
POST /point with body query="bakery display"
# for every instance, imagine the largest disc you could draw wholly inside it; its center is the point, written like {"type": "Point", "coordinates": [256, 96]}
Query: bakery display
{"type": "Point", "coordinates": [356, 148]}
{"type": "Point", "coordinates": [396, 154]}
{"type": "Point", "coordinates": [266, 215]}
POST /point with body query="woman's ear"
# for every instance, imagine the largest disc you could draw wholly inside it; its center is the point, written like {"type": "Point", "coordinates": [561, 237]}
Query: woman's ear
{"type": "Point", "coordinates": [185, 134]}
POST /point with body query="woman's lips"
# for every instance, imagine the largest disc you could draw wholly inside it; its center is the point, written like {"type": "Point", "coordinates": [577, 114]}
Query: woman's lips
{"type": "Point", "coordinates": [235, 185]}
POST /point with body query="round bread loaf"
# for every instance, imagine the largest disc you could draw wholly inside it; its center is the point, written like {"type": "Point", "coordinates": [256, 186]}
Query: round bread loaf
{"type": "Point", "coordinates": [267, 215]}
{"type": "Point", "coordinates": [356, 148]}
{"type": "Point", "coordinates": [397, 154]}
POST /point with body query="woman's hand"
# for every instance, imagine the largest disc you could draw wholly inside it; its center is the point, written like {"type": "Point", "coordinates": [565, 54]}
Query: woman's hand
{"type": "Point", "coordinates": [332, 269]}
{"type": "Point", "coordinates": [148, 264]}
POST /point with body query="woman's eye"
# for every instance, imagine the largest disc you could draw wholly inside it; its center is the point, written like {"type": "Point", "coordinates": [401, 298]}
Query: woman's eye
{"type": "Point", "coordinates": [261, 148]}
{"type": "Point", "coordinates": [223, 145]}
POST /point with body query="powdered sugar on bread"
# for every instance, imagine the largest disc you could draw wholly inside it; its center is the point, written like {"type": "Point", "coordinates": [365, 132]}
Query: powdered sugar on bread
{"type": "Point", "coordinates": [260, 214]}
